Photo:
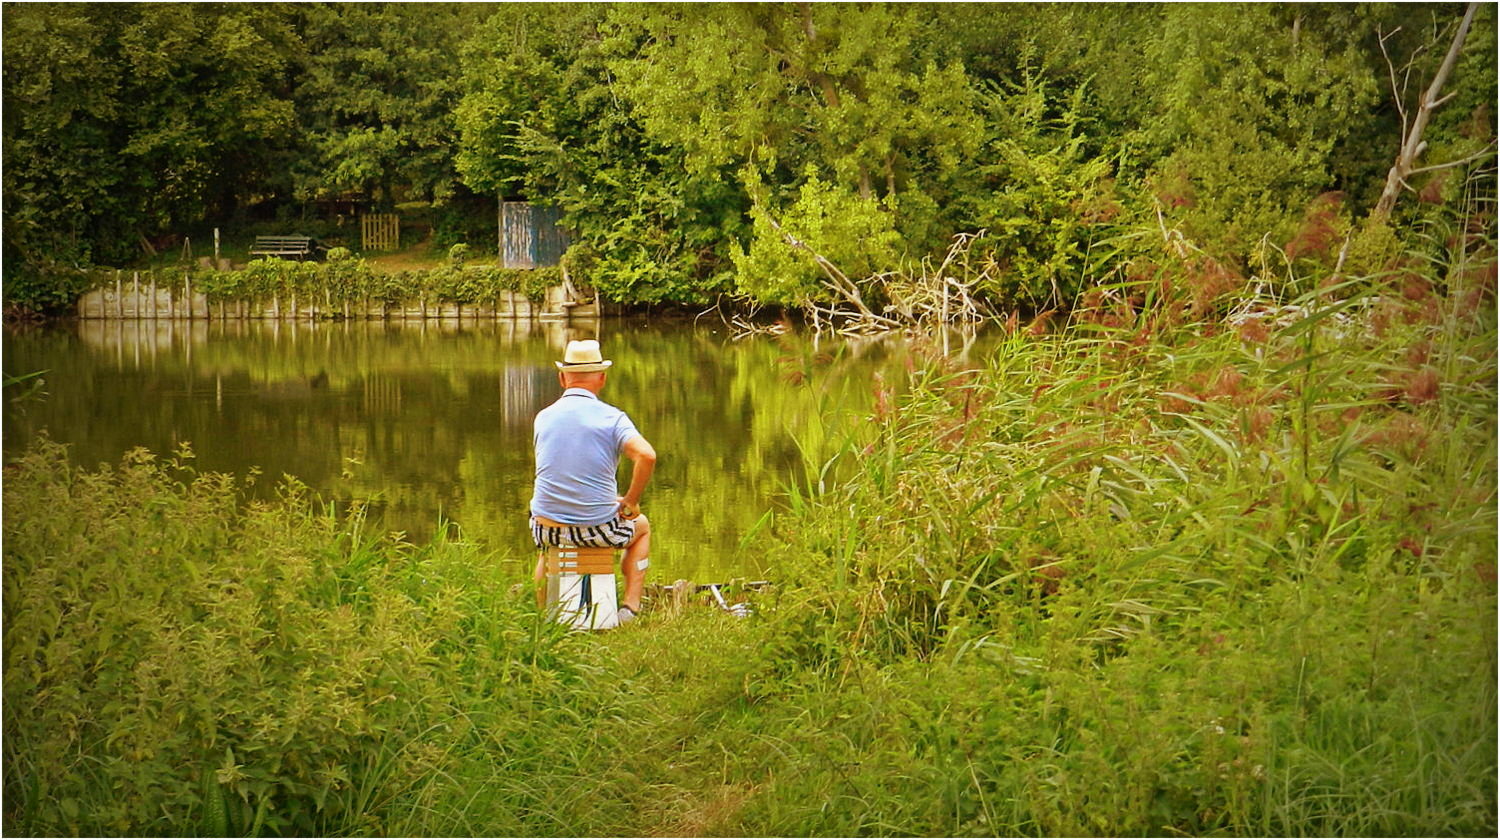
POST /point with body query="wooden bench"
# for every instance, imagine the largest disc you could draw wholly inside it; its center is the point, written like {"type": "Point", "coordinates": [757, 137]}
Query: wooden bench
{"type": "Point", "coordinates": [300, 247]}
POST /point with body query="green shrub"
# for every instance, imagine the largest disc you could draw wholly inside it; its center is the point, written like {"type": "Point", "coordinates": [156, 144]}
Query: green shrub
{"type": "Point", "coordinates": [857, 235]}
{"type": "Point", "coordinates": [51, 289]}
{"type": "Point", "coordinates": [343, 279]}
{"type": "Point", "coordinates": [1052, 201]}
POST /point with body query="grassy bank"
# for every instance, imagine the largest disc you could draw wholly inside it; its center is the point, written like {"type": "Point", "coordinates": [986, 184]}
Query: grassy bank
{"type": "Point", "coordinates": [1154, 574]}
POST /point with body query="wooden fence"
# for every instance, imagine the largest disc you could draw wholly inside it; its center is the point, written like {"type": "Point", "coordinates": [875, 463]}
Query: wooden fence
{"type": "Point", "coordinates": [380, 231]}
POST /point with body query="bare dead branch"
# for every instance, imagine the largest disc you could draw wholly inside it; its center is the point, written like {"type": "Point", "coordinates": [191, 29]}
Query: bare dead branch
{"type": "Point", "coordinates": [1488, 149]}
{"type": "Point", "coordinates": [1398, 93]}
{"type": "Point", "coordinates": [1412, 145]}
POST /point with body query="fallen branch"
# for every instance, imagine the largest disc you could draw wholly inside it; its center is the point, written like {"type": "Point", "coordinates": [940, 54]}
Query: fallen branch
{"type": "Point", "coordinates": [932, 297]}
{"type": "Point", "coordinates": [838, 282]}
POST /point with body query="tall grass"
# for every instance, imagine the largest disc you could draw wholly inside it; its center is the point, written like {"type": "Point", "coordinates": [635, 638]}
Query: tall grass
{"type": "Point", "coordinates": [1210, 579]}
{"type": "Point", "coordinates": [1159, 573]}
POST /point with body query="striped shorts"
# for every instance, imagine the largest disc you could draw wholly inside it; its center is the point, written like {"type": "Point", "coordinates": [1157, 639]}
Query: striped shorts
{"type": "Point", "coordinates": [616, 533]}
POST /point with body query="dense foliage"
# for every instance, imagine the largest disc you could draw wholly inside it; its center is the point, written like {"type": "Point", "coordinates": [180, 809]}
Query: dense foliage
{"type": "Point", "coordinates": [687, 146]}
{"type": "Point", "coordinates": [1169, 573]}
{"type": "Point", "coordinates": [124, 122]}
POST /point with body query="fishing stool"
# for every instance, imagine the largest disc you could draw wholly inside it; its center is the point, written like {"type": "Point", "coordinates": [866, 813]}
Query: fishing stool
{"type": "Point", "coordinates": [581, 586]}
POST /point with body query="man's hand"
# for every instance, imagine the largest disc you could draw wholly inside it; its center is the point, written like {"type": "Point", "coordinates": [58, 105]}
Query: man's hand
{"type": "Point", "coordinates": [628, 510]}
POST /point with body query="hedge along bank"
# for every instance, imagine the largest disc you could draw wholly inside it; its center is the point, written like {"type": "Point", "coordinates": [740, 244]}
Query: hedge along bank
{"type": "Point", "coordinates": [342, 287]}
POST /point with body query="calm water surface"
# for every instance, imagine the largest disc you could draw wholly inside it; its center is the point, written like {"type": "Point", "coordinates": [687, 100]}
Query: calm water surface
{"type": "Point", "coordinates": [433, 421]}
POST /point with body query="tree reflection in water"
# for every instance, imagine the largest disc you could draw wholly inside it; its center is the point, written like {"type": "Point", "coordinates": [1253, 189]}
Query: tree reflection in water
{"type": "Point", "coordinates": [432, 420]}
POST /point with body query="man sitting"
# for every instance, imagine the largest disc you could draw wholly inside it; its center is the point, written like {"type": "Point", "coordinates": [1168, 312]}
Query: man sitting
{"type": "Point", "coordinates": [578, 441]}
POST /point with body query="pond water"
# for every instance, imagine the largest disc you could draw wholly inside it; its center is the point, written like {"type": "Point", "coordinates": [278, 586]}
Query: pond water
{"type": "Point", "coordinates": [431, 421]}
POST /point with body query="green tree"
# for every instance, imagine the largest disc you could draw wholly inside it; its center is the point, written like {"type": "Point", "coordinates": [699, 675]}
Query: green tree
{"type": "Point", "coordinates": [376, 87]}
{"type": "Point", "coordinates": [782, 94]}
{"type": "Point", "coordinates": [61, 99]}
{"type": "Point", "coordinates": [853, 233]}
{"type": "Point", "coordinates": [1045, 196]}
{"type": "Point", "coordinates": [1443, 89]}
{"type": "Point", "coordinates": [1245, 137]}
{"type": "Point", "coordinates": [541, 119]}
{"type": "Point", "coordinates": [125, 121]}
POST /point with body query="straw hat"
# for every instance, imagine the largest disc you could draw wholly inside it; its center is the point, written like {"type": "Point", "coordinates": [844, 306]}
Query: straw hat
{"type": "Point", "coordinates": [583, 357]}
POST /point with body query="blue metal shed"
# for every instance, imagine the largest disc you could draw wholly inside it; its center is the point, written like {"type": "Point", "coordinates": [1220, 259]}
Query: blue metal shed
{"type": "Point", "coordinates": [530, 236]}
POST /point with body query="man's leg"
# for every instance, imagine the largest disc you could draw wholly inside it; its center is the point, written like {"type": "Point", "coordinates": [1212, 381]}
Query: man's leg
{"type": "Point", "coordinates": [540, 575]}
{"type": "Point", "coordinates": [638, 550]}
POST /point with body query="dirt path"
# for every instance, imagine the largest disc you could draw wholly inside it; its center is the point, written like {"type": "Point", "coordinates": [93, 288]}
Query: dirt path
{"type": "Point", "coordinates": [419, 256]}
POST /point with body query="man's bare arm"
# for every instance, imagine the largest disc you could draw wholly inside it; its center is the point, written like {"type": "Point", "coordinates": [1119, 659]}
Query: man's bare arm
{"type": "Point", "coordinates": [642, 464]}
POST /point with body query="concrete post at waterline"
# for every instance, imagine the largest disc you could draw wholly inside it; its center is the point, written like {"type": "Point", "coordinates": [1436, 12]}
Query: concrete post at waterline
{"type": "Point", "coordinates": [177, 302]}
{"type": "Point", "coordinates": [149, 298]}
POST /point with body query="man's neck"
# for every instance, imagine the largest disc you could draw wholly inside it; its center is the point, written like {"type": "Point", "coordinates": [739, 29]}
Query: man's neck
{"type": "Point", "coordinates": [592, 384]}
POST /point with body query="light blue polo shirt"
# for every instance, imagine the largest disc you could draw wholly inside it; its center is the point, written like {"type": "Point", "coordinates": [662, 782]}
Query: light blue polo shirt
{"type": "Point", "coordinates": [578, 441]}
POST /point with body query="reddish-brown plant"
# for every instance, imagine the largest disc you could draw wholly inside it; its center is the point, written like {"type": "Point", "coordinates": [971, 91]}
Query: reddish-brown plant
{"type": "Point", "coordinates": [1432, 191]}
{"type": "Point", "coordinates": [1403, 434]}
{"type": "Point", "coordinates": [1422, 386]}
{"type": "Point", "coordinates": [1254, 331]}
{"type": "Point", "coordinates": [1226, 383]}
{"type": "Point", "coordinates": [1418, 354]}
{"type": "Point", "coordinates": [1038, 325]}
{"type": "Point", "coordinates": [1257, 422]}
{"type": "Point", "coordinates": [1319, 230]}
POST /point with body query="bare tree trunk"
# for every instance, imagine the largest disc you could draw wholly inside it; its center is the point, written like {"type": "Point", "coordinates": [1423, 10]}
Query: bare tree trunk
{"type": "Point", "coordinates": [1412, 145]}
